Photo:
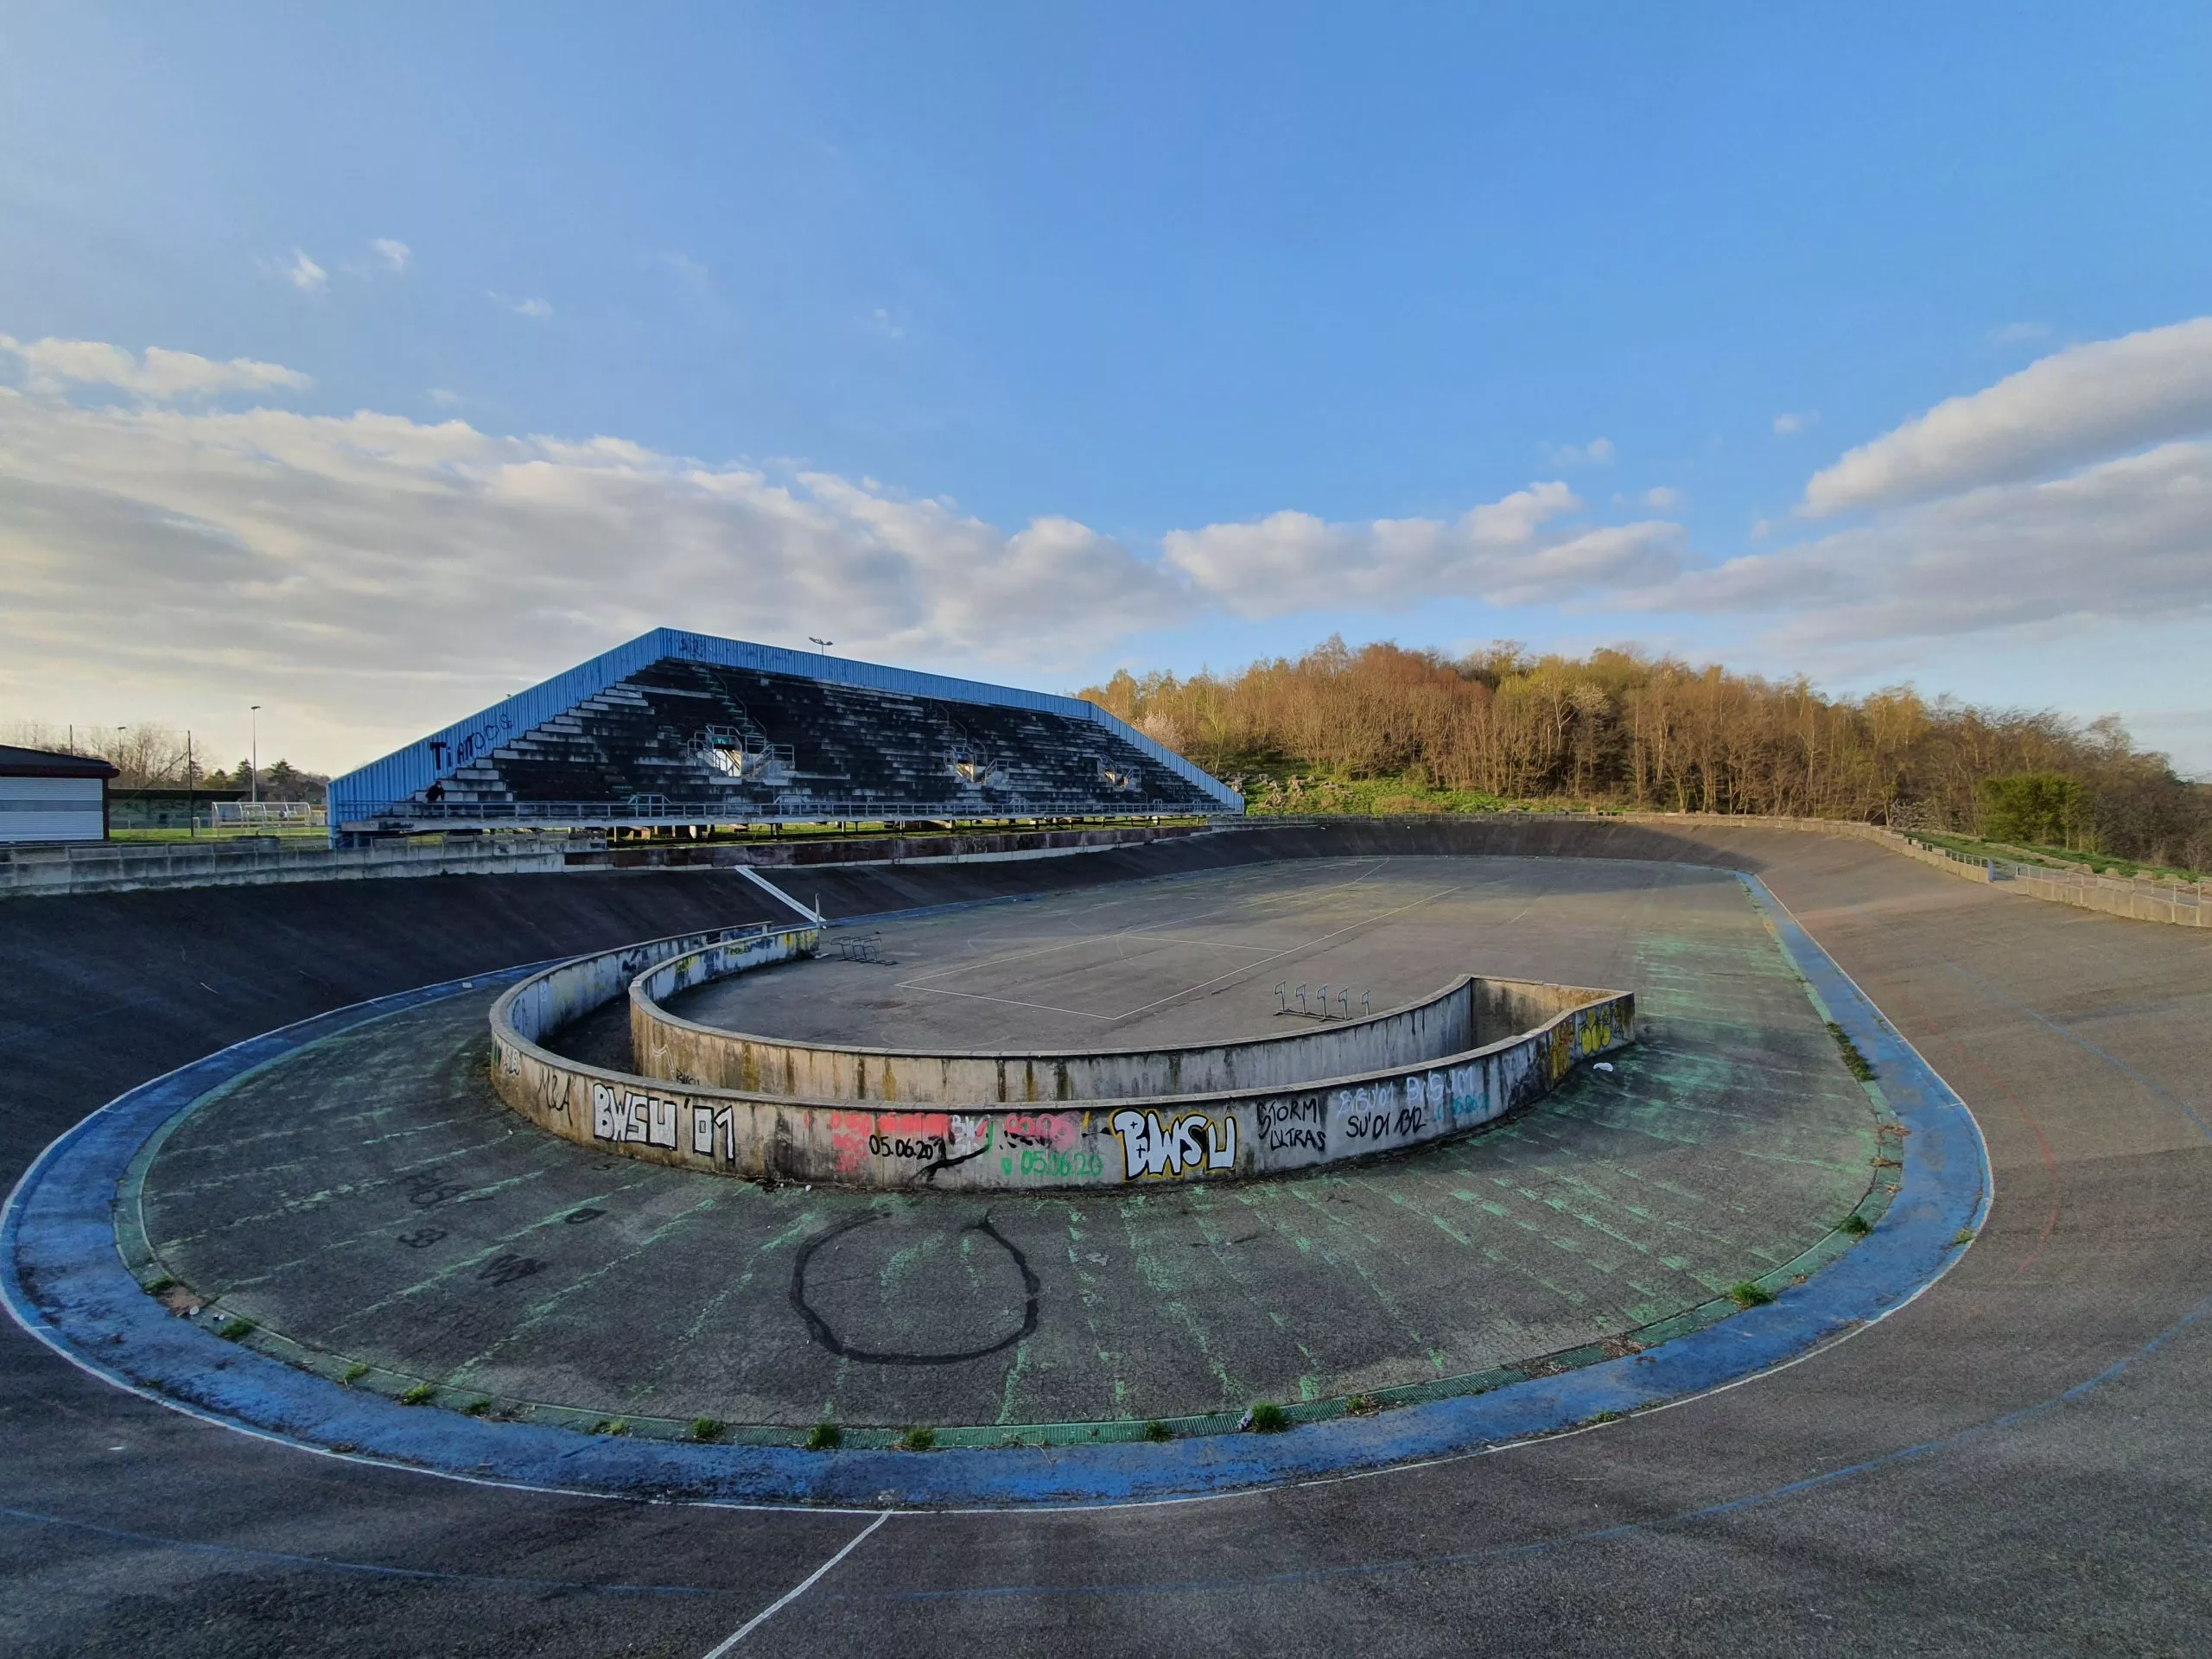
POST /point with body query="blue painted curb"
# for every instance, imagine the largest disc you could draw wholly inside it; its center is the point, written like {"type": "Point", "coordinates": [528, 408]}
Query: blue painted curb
{"type": "Point", "coordinates": [64, 1281]}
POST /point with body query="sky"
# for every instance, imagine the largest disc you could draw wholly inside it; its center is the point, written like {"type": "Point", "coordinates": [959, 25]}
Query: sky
{"type": "Point", "coordinates": [371, 363]}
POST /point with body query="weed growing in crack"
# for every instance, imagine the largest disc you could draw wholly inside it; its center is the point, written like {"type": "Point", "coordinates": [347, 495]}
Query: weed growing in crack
{"type": "Point", "coordinates": [1858, 1063]}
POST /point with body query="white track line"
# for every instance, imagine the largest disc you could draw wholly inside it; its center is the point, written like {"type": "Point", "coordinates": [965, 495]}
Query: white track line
{"type": "Point", "coordinates": [794, 1593]}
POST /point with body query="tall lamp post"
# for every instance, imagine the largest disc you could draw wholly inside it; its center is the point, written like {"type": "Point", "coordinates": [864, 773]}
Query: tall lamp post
{"type": "Point", "coordinates": [253, 716]}
{"type": "Point", "coordinates": [825, 643]}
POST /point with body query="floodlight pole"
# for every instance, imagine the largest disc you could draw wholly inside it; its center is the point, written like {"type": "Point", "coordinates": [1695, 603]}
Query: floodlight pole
{"type": "Point", "coordinates": [254, 716]}
{"type": "Point", "coordinates": [825, 643]}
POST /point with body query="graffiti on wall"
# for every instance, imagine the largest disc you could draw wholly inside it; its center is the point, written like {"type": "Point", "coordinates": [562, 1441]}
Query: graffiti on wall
{"type": "Point", "coordinates": [625, 1115]}
{"type": "Point", "coordinates": [1187, 1145]}
{"type": "Point", "coordinates": [1297, 1125]}
{"type": "Point", "coordinates": [711, 1128]}
{"type": "Point", "coordinates": [1402, 1110]}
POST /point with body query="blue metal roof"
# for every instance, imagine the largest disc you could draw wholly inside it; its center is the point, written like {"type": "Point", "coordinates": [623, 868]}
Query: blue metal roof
{"type": "Point", "coordinates": [417, 766]}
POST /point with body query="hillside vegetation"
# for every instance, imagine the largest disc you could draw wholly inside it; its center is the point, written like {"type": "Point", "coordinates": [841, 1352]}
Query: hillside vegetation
{"type": "Point", "coordinates": [1386, 729]}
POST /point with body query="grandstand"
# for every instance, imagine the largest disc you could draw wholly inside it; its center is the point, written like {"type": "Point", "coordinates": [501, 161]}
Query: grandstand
{"type": "Point", "coordinates": [677, 729]}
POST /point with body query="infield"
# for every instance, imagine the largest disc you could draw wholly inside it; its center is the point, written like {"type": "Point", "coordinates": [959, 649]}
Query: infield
{"type": "Point", "coordinates": [367, 1201]}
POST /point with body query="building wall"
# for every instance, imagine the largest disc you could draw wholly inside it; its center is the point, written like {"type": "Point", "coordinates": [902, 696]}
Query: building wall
{"type": "Point", "coordinates": [51, 809]}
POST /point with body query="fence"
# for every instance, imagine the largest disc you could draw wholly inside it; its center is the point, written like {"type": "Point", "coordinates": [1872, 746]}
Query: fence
{"type": "Point", "coordinates": [2141, 899]}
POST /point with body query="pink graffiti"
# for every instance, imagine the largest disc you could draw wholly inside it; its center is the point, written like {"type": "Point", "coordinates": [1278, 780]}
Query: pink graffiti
{"type": "Point", "coordinates": [1060, 1130]}
{"type": "Point", "coordinates": [914, 1126]}
{"type": "Point", "coordinates": [848, 1134]}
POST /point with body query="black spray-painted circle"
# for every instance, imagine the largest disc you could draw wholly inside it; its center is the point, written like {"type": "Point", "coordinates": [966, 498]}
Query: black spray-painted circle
{"type": "Point", "coordinates": [822, 1331]}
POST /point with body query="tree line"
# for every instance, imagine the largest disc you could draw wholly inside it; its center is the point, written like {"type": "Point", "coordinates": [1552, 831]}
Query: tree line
{"type": "Point", "coordinates": [147, 756]}
{"type": "Point", "coordinates": [1625, 728]}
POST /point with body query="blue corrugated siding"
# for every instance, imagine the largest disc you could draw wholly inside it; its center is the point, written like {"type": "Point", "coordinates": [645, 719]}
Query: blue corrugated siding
{"type": "Point", "coordinates": [399, 774]}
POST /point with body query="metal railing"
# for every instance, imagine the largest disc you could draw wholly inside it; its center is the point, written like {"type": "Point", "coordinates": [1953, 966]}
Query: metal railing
{"type": "Point", "coordinates": [649, 811]}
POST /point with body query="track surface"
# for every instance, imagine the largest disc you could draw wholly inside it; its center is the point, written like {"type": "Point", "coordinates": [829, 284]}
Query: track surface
{"type": "Point", "coordinates": [2017, 1459]}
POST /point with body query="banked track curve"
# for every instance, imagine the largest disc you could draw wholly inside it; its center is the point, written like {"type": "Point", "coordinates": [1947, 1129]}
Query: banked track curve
{"type": "Point", "coordinates": [2014, 1458]}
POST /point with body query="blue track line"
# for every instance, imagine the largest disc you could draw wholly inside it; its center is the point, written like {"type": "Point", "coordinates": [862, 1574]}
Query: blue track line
{"type": "Point", "coordinates": [62, 1279]}
{"type": "Point", "coordinates": [288, 1558]}
{"type": "Point", "coordinates": [2048, 1024]}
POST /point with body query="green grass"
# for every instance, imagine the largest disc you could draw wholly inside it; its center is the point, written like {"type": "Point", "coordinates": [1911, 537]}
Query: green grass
{"type": "Point", "coordinates": [917, 1438]}
{"type": "Point", "coordinates": [1859, 1066]}
{"type": "Point", "coordinates": [161, 1286]}
{"type": "Point", "coordinates": [1857, 1225]}
{"type": "Point", "coordinates": [824, 1436]}
{"type": "Point", "coordinates": [1749, 1292]}
{"type": "Point", "coordinates": [1964, 1235]}
{"type": "Point", "coordinates": [354, 1374]}
{"type": "Point", "coordinates": [209, 838]}
{"type": "Point", "coordinates": [421, 1395]}
{"type": "Point", "coordinates": [706, 1428]}
{"type": "Point", "coordinates": [1298, 795]}
{"type": "Point", "coordinates": [235, 1329]}
{"type": "Point", "coordinates": [1362, 1405]}
{"type": "Point", "coordinates": [2030, 853]}
{"type": "Point", "coordinates": [614, 1426]}
{"type": "Point", "coordinates": [1604, 1417]}
{"type": "Point", "coordinates": [476, 1409]}
{"type": "Point", "coordinates": [1268, 1418]}
{"type": "Point", "coordinates": [1156, 1430]}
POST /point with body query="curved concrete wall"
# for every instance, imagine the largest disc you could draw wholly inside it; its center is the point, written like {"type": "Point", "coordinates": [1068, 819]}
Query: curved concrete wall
{"type": "Point", "coordinates": [1222, 1135]}
{"type": "Point", "coordinates": [1460, 1017]}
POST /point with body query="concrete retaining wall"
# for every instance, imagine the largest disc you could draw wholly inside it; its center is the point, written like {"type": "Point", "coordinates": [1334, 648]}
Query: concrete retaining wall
{"type": "Point", "coordinates": [1460, 1017]}
{"type": "Point", "coordinates": [1217, 1134]}
{"type": "Point", "coordinates": [124, 867]}
{"type": "Point", "coordinates": [2141, 899]}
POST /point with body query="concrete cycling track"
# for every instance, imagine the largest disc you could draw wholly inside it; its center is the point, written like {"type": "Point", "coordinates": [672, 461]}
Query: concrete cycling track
{"type": "Point", "coordinates": [2015, 1457]}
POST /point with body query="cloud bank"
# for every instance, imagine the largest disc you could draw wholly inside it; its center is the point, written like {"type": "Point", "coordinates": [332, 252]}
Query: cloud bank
{"type": "Point", "coordinates": [378, 573]}
{"type": "Point", "coordinates": [2075, 406]}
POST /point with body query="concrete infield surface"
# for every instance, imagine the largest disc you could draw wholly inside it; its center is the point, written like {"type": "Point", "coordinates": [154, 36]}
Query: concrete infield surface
{"type": "Point", "coordinates": [2008, 1458]}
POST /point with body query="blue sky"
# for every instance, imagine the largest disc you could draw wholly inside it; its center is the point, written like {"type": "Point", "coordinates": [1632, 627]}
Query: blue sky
{"type": "Point", "coordinates": [1034, 341]}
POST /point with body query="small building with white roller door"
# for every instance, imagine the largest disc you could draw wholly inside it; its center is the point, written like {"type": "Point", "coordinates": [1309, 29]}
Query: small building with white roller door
{"type": "Point", "coordinates": [45, 796]}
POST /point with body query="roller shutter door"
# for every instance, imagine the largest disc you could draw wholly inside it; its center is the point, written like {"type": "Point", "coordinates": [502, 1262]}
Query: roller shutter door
{"type": "Point", "coordinates": [51, 809]}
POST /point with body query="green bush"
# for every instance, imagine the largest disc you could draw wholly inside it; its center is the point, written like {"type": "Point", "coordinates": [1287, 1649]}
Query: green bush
{"type": "Point", "coordinates": [2035, 807]}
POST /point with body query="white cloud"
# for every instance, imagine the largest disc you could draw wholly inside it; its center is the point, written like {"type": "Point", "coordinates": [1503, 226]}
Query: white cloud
{"type": "Point", "coordinates": [305, 274]}
{"type": "Point", "coordinates": [880, 321]}
{"type": "Point", "coordinates": [2125, 539]}
{"type": "Point", "coordinates": [377, 574]}
{"type": "Point", "coordinates": [1789, 425]}
{"type": "Point", "coordinates": [538, 310]}
{"type": "Point", "coordinates": [1503, 553]}
{"type": "Point", "coordinates": [1663, 498]}
{"type": "Point", "coordinates": [444, 398]}
{"type": "Point", "coordinates": [54, 364]}
{"type": "Point", "coordinates": [395, 255]}
{"type": "Point", "coordinates": [2017, 334]}
{"type": "Point", "coordinates": [2077, 405]}
{"type": "Point", "coordinates": [1598, 451]}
